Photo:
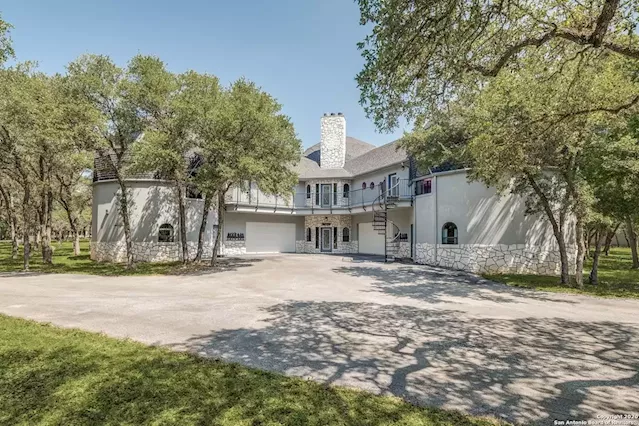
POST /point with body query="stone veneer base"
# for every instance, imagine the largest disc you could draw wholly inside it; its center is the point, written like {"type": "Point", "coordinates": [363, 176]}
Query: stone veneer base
{"type": "Point", "coordinates": [499, 258]}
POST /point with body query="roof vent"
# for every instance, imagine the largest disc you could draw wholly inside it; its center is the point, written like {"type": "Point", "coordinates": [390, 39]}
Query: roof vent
{"type": "Point", "coordinates": [340, 114]}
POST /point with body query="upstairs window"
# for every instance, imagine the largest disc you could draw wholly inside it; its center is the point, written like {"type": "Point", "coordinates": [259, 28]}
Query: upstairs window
{"type": "Point", "coordinates": [309, 234]}
{"type": "Point", "coordinates": [165, 234]}
{"type": "Point", "coordinates": [345, 190]}
{"type": "Point", "coordinates": [193, 192]}
{"type": "Point", "coordinates": [423, 187]}
{"type": "Point", "coordinates": [449, 233]}
{"type": "Point", "coordinates": [308, 191]}
{"type": "Point", "coordinates": [364, 185]}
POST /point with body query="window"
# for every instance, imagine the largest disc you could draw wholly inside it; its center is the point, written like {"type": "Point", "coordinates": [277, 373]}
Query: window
{"type": "Point", "coordinates": [309, 234]}
{"type": "Point", "coordinates": [317, 194]}
{"type": "Point", "coordinates": [193, 192]}
{"type": "Point", "coordinates": [335, 237]}
{"type": "Point", "coordinates": [345, 190]}
{"type": "Point", "coordinates": [345, 235]}
{"type": "Point", "coordinates": [165, 234]}
{"type": "Point", "coordinates": [317, 237]}
{"type": "Point", "coordinates": [335, 194]}
{"type": "Point", "coordinates": [372, 185]}
{"type": "Point", "coordinates": [423, 187]}
{"type": "Point", "coordinates": [364, 185]}
{"type": "Point", "coordinates": [308, 191]}
{"type": "Point", "coordinates": [449, 233]}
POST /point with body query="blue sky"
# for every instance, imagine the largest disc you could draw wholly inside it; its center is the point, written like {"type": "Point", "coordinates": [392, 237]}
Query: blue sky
{"type": "Point", "coordinates": [302, 52]}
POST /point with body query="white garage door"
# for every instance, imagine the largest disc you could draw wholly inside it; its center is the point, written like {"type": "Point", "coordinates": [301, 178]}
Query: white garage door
{"type": "Point", "coordinates": [264, 237]}
{"type": "Point", "coordinates": [369, 241]}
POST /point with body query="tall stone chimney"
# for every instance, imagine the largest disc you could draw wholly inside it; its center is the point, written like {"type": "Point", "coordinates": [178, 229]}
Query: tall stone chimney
{"type": "Point", "coordinates": [333, 139]}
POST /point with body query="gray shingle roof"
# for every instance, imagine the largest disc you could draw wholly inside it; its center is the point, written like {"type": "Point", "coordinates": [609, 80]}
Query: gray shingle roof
{"type": "Point", "coordinates": [309, 169]}
{"type": "Point", "coordinates": [354, 148]}
{"type": "Point", "coordinates": [378, 158]}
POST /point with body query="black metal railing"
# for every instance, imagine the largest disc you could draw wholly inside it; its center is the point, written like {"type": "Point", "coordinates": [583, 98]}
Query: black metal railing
{"type": "Point", "coordinates": [327, 199]}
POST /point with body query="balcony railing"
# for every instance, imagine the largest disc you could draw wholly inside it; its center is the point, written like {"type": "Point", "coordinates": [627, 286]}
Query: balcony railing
{"type": "Point", "coordinates": [327, 199]}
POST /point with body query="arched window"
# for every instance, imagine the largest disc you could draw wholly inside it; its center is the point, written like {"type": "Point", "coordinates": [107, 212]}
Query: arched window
{"type": "Point", "coordinates": [372, 185]}
{"type": "Point", "coordinates": [364, 185]}
{"type": "Point", "coordinates": [165, 234]}
{"type": "Point", "coordinates": [308, 191]}
{"type": "Point", "coordinates": [449, 233]}
{"type": "Point", "coordinates": [345, 235]}
{"type": "Point", "coordinates": [309, 234]}
{"type": "Point", "coordinates": [345, 190]}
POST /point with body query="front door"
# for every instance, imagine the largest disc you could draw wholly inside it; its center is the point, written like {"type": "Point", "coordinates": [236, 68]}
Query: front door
{"type": "Point", "coordinates": [393, 185]}
{"type": "Point", "coordinates": [326, 195]}
{"type": "Point", "coordinates": [326, 239]}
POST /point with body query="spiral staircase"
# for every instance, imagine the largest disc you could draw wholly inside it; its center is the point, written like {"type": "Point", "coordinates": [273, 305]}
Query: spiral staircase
{"type": "Point", "coordinates": [380, 207]}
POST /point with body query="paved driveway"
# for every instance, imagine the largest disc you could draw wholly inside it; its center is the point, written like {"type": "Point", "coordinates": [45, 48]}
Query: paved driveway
{"type": "Point", "coordinates": [435, 337]}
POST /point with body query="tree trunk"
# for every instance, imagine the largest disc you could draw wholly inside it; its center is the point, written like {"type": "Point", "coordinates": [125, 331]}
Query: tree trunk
{"type": "Point", "coordinates": [580, 252]}
{"type": "Point", "coordinates": [14, 239]}
{"type": "Point", "coordinates": [183, 222]}
{"type": "Point", "coordinates": [609, 239]}
{"type": "Point", "coordinates": [13, 221]}
{"type": "Point", "coordinates": [124, 215]}
{"type": "Point", "coordinates": [558, 232]}
{"type": "Point", "coordinates": [588, 237]}
{"type": "Point", "coordinates": [76, 243]}
{"type": "Point", "coordinates": [208, 198]}
{"type": "Point", "coordinates": [633, 241]}
{"type": "Point", "coordinates": [26, 200]}
{"type": "Point", "coordinates": [593, 276]}
{"type": "Point", "coordinates": [46, 210]}
{"type": "Point", "coordinates": [221, 209]}
{"type": "Point", "coordinates": [46, 236]}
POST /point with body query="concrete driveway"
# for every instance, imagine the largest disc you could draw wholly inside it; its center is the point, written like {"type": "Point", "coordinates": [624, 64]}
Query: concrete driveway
{"type": "Point", "coordinates": [432, 336]}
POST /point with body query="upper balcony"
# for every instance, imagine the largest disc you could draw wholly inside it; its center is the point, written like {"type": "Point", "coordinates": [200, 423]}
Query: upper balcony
{"type": "Point", "coordinates": [328, 200]}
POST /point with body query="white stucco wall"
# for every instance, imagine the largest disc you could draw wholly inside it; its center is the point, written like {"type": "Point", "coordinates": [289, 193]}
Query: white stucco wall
{"type": "Point", "coordinates": [494, 234]}
{"type": "Point", "coordinates": [152, 204]}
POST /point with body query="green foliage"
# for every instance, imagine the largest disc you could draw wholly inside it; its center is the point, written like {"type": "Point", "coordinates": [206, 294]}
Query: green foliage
{"type": "Point", "coordinates": [247, 138]}
{"type": "Point", "coordinates": [617, 278]}
{"type": "Point", "coordinates": [6, 48]}
{"type": "Point", "coordinates": [420, 55]}
{"type": "Point", "coordinates": [60, 376]}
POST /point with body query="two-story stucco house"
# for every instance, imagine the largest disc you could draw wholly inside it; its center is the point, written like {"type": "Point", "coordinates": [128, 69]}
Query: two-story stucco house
{"type": "Point", "coordinates": [351, 198]}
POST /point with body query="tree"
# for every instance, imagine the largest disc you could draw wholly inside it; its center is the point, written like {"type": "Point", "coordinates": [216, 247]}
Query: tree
{"type": "Point", "coordinates": [169, 146]}
{"type": "Point", "coordinates": [610, 166]}
{"type": "Point", "coordinates": [246, 139]}
{"type": "Point", "coordinates": [120, 97]}
{"type": "Point", "coordinates": [529, 135]}
{"type": "Point", "coordinates": [8, 192]}
{"type": "Point", "coordinates": [418, 55]}
{"type": "Point", "coordinates": [6, 47]}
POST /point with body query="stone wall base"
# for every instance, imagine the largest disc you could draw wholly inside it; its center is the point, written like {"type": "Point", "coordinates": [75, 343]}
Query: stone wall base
{"type": "Point", "coordinates": [499, 258]}
{"type": "Point", "coordinates": [145, 251]}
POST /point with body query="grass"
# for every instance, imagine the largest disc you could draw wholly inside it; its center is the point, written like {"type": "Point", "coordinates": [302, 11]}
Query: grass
{"type": "Point", "coordinates": [616, 278]}
{"type": "Point", "coordinates": [65, 262]}
{"type": "Point", "coordinates": [50, 375]}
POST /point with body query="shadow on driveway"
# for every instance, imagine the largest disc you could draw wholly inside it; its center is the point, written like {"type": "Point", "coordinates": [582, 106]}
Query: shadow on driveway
{"type": "Point", "coordinates": [531, 369]}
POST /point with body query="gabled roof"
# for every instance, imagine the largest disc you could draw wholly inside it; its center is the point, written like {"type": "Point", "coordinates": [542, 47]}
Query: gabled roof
{"type": "Point", "coordinates": [361, 157]}
{"type": "Point", "coordinates": [354, 148]}
{"type": "Point", "coordinates": [378, 158]}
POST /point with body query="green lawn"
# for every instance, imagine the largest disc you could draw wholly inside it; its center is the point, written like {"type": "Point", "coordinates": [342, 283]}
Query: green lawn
{"type": "Point", "coordinates": [65, 262]}
{"type": "Point", "coordinates": [616, 277]}
{"type": "Point", "coordinates": [50, 375]}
